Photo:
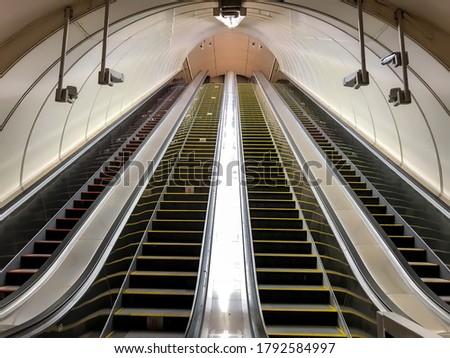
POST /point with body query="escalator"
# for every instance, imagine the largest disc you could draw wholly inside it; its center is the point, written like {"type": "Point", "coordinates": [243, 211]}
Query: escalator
{"type": "Point", "coordinates": [52, 237]}
{"type": "Point", "coordinates": [348, 163]}
{"type": "Point", "coordinates": [161, 289]}
{"type": "Point", "coordinates": [295, 301]}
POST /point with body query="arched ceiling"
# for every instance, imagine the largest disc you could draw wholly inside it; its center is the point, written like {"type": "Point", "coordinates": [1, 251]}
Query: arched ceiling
{"type": "Point", "coordinates": [315, 43]}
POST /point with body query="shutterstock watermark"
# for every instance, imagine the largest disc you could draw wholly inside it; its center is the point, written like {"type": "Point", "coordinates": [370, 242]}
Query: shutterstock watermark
{"type": "Point", "coordinates": [253, 173]}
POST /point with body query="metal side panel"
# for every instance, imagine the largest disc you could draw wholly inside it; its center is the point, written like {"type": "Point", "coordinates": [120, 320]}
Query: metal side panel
{"type": "Point", "coordinates": [380, 262]}
{"type": "Point", "coordinates": [71, 264]}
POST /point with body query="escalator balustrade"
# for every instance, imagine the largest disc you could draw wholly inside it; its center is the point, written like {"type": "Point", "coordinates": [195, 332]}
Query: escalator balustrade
{"type": "Point", "coordinates": [294, 300]}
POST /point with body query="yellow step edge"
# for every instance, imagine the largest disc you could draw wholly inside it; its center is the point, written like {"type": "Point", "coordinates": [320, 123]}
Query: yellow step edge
{"type": "Point", "coordinates": [164, 273]}
{"type": "Point", "coordinates": [287, 309]}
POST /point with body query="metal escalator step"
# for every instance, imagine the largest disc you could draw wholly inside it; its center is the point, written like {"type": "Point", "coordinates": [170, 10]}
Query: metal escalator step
{"type": "Point", "coordinates": [413, 254]}
{"type": "Point", "coordinates": [294, 294]}
{"type": "Point", "coordinates": [267, 203]}
{"type": "Point", "coordinates": [294, 331]}
{"type": "Point", "coordinates": [173, 248]}
{"type": "Point", "coordinates": [183, 205]}
{"type": "Point", "coordinates": [282, 246]}
{"type": "Point", "coordinates": [5, 291]}
{"type": "Point", "coordinates": [164, 263]}
{"type": "Point", "coordinates": [440, 286]}
{"type": "Point", "coordinates": [385, 218]}
{"type": "Point", "coordinates": [278, 234]}
{"type": "Point", "coordinates": [393, 229]}
{"type": "Point", "coordinates": [181, 214]}
{"type": "Point", "coordinates": [152, 319]}
{"type": "Point", "coordinates": [293, 314]}
{"type": "Point", "coordinates": [175, 236]}
{"type": "Point", "coordinates": [377, 209]}
{"type": "Point", "coordinates": [162, 224]}
{"type": "Point", "coordinates": [18, 277]}
{"type": "Point", "coordinates": [284, 260]}
{"type": "Point", "coordinates": [158, 298]}
{"type": "Point", "coordinates": [404, 241]}
{"type": "Point", "coordinates": [370, 200]}
{"type": "Point", "coordinates": [164, 279]}
{"type": "Point", "coordinates": [274, 213]}
{"type": "Point", "coordinates": [292, 276]}
{"type": "Point", "coordinates": [33, 261]}
{"type": "Point", "coordinates": [276, 223]}
{"type": "Point", "coordinates": [425, 269]}
{"type": "Point", "coordinates": [45, 246]}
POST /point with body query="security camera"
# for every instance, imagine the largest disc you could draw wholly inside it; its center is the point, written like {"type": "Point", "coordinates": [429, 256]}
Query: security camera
{"type": "Point", "coordinates": [394, 58]}
{"type": "Point", "coordinates": [397, 96]}
{"type": "Point", "coordinates": [355, 80]}
{"type": "Point", "coordinates": [66, 95]}
{"type": "Point", "coordinates": [109, 77]}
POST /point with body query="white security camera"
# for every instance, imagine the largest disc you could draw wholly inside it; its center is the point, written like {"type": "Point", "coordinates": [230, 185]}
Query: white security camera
{"type": "Point", "coordinates": [394, 58]}
{"type": "Point", "coordinates": [109, 77]}
{"type": "Point", "coordinates": [66, 95]}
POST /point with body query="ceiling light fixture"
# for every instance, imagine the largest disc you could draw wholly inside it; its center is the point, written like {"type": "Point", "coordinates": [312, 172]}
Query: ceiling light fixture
{"type": "Point", "coordinates": [230, 13]}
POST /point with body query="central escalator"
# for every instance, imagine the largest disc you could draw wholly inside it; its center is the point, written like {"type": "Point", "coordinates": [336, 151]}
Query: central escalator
{"type": "Point", "coordinates": [159, 298]}
{"type": "Point", "coordinates": [295, 302]}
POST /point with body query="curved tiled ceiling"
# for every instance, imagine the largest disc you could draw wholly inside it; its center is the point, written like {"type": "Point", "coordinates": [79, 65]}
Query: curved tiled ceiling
{"type": "Point", "coordinates": [315, 46]}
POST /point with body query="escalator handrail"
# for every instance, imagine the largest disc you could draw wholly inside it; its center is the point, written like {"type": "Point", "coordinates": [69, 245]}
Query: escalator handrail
{"type": "Point", "coordinates": [393, 249]}
{"type": "Point", "coordinates": [69, 298]}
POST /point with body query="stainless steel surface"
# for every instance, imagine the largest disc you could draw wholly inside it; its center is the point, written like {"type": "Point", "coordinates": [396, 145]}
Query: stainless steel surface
{"type": "Point", "coordinates": [384, 268]}
{"type": "Point", "coordinates": [226, 311]}
{"type": "Point", "coordinates": [76, 257]}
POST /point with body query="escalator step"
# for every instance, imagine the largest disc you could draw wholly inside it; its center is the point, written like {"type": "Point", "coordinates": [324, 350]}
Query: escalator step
{"type": "Point", "coordinates": [186, 197]}
{"type": "Point", "coordinates": [45, 246]}
{"type": "Point", "coordinates": [276, 223]}
{"type": "Point", "coordinates": [171, 248]}
{"type": "Point", "coordinates": [66, 223]}
{"type": "Point", "coordinates": [75, 212]}
{"type": "Point", "coordinates": [56, 234]}
{"type": "Point", "coordinates": [393, 229]}
{"type": "Point", "coordinates": [377, 209]}
{"type": "Point", "coordinates": [267, 260]}
{"type": "Point", "coordinates": [90, 194]}
{"type": "Point", "coordinates": [403, 241]}
{"type": "Point", "coordinates": [357, 185]}
{"type": "Point", "coordinates": [279, 234]}
{"type": "Point", "coordinates": [158, 298]}
{"type": "Point", "coordinates": [263, 203]}
{"type": "Point", "coordinates": [175, 236]}
{"type": "Point", "coordinates": [293, 314]}
{"type": "Point", "coordinates": [274, 213]}
{"type": "Point", "coordinates": [164, 263]}
{"type": "Point", "coordinates": [82, 203]}
{"type": "Point", "coordinates": [425, 269]}
{"type": "Point", "coordinates": [163, 279]}
{"type": "Point", "coordinates": [370, 200]}
{"type": "Point", "coordinates": [5, 291]}
{"type": "Point", "coordinates": [440, 286]}
{"type": "Point", "coordinates": [184, 205]}
{"type": "Point", "coordinates": [181, 214]}
{"type": "Point", "coordinates": [19, 276]}
{"type": "Point", "coordinates": [294, 331]}
{"type": "Point", "coordinates": [188, 189]}
{"type": "Point", "coordinates": [385, 218]}
{"type": "Point", "coordinates": [413, 254]}
{"type": "Point", "coordinates": [363, 192]}
{"type": "Point", "coordinates": [294, 294]}
{"type": "Point", "coordinates": [159, 224]}
{"type": "Point", "coordinates": [281, 276]}
{"type": "Point", "coordinates": [279, 246]}
{"type": "Point", "coordinates": [269, 195]}
{"type": "Point", "coordinates": [152, 319]}
{"type": "Point", "coordinates": [33, 261]}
